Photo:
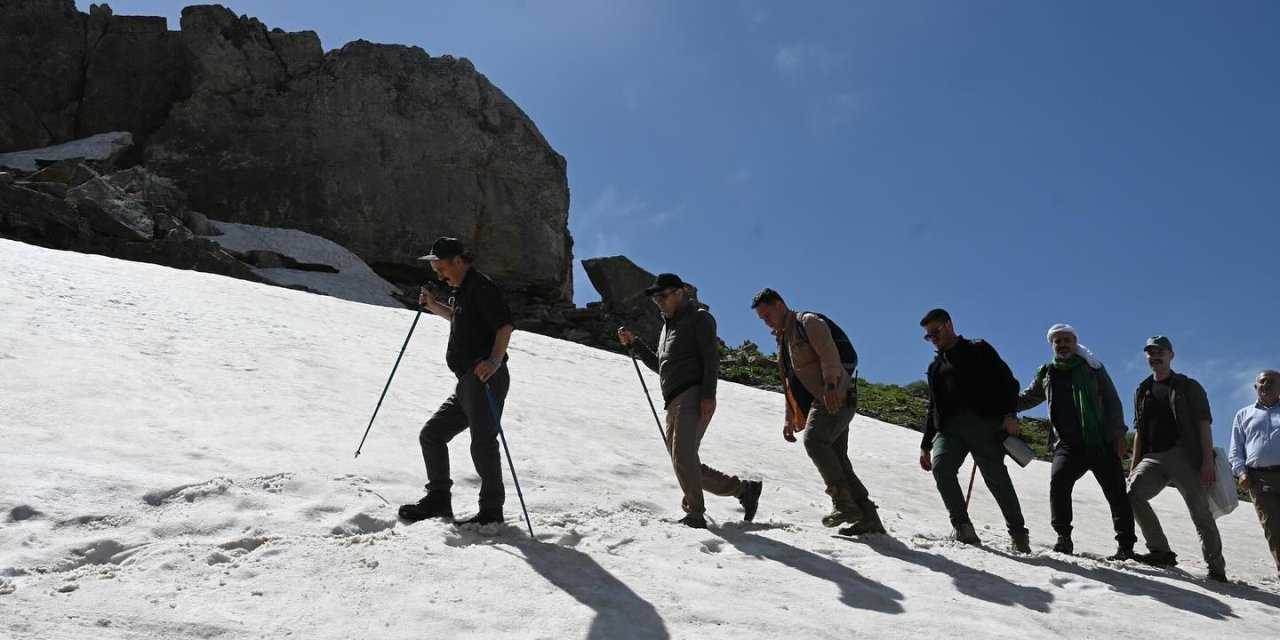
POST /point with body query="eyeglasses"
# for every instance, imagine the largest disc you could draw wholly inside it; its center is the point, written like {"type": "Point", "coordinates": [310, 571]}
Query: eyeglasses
{"type": "Point", "coordinates": [662, 295]}
{"type": "Point", "coordinates": [1265, 381]}
{"type": "Point", "coordinates": [932, 335]}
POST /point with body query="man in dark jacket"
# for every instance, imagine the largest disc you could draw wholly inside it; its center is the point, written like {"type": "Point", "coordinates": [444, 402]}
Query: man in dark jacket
{"type": "Point", "coordinates": [480, 328]}
{"type": "Point", "coordinates": [688, 366]}
{"type": "Point", "coordinates": [1173, 445]}
{"type": "Point", "coordinates": [1088, 434]}
{"type": "Point", "coordinates": [972, 399]}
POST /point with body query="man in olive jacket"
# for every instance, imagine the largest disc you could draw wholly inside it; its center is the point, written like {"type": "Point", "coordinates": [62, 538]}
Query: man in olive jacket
{"type": "Point", "coordinates": [1173, 445]}
{"type": "Point", "coordinates": [821, 400]}
{"type": "Point", "coordinates": [1088, 434]}
{"type": "Point", "coordinates": [688, 365]}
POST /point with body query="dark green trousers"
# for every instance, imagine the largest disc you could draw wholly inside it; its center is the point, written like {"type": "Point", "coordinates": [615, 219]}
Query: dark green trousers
{"type": "Point", "coordinates": [984, 439]}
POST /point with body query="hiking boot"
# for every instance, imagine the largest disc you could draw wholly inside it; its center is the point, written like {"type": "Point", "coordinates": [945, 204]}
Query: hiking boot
{"type": "Point", "coordinates": [1123, 552]}
{"type": "Point", "coordinates": [1064, 545]}
{"type": "Point", "coordinates": [844, 509]}
{"type": "Point", "coordinates": [485, 516]}
{"type": "Point", "coordinates": [1158, 558]}
{"type": "Point", "coordinates": [693, 521]}
{"type": "Point", "coordinates": [750, 499]}
{"type": "Point", "coordinates": [1217, 576]}
{"type": "Point", "coordinates": [868, 523]}
{"type": "Point", "coordinates": [1021, 541]}
{"type": "Point", "coordinates": [436, 504]}
{"type": "Point", "coordinates": [966, 534]}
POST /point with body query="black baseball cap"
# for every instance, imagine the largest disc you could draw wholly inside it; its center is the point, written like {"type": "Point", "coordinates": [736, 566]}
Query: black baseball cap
{"type": "Point", "coordinates": [665, 281]}
{"type": "Point", "coordinates": [444, 248]}
{"type": "Point", "coordinates": [1159, 342]}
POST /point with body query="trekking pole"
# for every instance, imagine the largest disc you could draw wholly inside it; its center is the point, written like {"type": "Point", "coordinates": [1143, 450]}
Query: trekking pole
{"type": "Point", "coordinates": [388, 386]}
{"type": "Point", "coordinates": [497, 420]}
{"type": "Point", "coordinates": [649, 398]}
{"type": "Point", "coordinates": [973, 474]}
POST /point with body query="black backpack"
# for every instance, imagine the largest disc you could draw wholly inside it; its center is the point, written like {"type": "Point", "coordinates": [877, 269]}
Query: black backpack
{"type": "Point", "coordinates": [848, 355]}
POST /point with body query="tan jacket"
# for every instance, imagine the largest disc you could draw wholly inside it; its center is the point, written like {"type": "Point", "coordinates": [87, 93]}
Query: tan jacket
{"type": "Point", "coordinates": [815, 361]}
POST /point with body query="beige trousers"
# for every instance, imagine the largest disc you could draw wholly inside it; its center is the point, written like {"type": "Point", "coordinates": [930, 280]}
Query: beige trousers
{"type": "Point", "coordinates": [685, 429]}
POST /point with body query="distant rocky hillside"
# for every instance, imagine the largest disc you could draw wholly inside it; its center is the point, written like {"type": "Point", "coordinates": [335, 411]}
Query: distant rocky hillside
{"type": "Point", "coordinates": [379, 148]}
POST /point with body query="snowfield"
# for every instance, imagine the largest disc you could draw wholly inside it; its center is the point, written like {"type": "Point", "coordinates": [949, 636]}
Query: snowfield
{"type": "Point", "coordinates": [176, 461]}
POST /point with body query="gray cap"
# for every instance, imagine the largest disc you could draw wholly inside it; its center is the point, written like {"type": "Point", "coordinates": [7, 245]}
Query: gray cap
{"type": "Point", "coordinates": [1160, 342]}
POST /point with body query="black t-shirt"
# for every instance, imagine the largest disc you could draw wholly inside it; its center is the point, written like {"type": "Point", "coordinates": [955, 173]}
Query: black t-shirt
{"type": "Point", "coordinates": [479, 310]}
{"type": "Point", "coordinates": [1062, 411]}
{"type": "Point", "coordinates": [1161, 428]}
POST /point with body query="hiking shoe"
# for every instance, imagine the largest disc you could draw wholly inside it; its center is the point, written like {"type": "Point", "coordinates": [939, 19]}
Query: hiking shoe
{"type": "Point", "coordinates": [1158, 558]}
{"type": "Point", "coordinates": [1064, 545]}
{"type": "Point", "coordinates": [966, 534]}
{"type": "Point", "coordinates": [868, 523]}
{"type": "Point", "coordinates": [839, 516]}
{"type": "Point", "coordinates": [1123, 553]}
{"type": "Point", "coordinates": [1218, 576]}
{"type": "Point", "coordinates": [750, 499]}
{"type": "Point", "coordinates": [486, 516]}
{"type": "Point", "coordinates": [1021, 541]}
{"type": "Point", "coordinates": [693, 521]}
{"type": "Point", "coordinates": [432, 505]}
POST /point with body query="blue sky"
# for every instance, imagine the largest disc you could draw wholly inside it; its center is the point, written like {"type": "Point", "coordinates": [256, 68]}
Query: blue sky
{"type": "Point", "coordinates": [1114, 165]}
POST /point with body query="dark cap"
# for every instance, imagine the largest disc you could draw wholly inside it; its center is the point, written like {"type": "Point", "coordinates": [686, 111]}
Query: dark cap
{"type": "Point", "coordinates": [444, 248]}
{"type": "Point", "coordinates": [1160, 342]}
{"type": "Point", "coordinates": [665, 281]}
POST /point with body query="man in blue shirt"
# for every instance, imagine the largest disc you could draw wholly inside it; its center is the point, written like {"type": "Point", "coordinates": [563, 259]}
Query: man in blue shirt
{"type": "Point", "coordinates": [1255, 455]}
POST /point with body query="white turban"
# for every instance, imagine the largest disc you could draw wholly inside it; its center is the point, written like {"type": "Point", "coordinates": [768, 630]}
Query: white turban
{"type": "Point", "coordinates": [1081, 350]}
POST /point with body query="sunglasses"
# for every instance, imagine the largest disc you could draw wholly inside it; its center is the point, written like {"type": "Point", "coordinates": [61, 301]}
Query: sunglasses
{"type": "Point", "coordinates": [662, 295]}
{"type": "Point", "coordinates": [933, 335]}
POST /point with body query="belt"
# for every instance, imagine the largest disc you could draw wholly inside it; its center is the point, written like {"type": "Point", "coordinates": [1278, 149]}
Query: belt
{"type": "Point", "coordinates": [1274, 469]}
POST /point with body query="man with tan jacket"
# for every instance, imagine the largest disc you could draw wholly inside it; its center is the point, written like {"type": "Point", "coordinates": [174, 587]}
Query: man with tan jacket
{"type": "Point", "coordinates": [821, 401]}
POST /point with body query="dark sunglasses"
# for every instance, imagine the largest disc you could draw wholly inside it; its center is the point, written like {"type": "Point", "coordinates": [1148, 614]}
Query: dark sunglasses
{"type": "Point", "coordinates": [662, 295]}
{"type": "Point", "coordinates": [930, 335]}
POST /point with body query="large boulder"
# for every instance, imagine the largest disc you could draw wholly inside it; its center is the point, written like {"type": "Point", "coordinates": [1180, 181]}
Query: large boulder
{"type": "Point", "coordinates": [621, 284]}
{"type": "Point", "coordinates": [380, 148]}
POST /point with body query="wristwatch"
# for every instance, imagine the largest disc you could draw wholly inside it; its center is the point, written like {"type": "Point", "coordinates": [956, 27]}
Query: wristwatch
{"type": "Point", "coordinates": [495, 361]}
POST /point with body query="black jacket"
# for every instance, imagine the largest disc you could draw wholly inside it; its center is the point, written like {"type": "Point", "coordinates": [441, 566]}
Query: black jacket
{"type": "Point", "coordinates": [979, 383]}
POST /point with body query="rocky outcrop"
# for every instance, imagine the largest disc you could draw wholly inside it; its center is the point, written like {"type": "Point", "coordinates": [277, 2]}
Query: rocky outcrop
{"type": "Point", "coordinates": [621, 284]}
{"type": "Point", "coordinates": [380, 148]}
{"type": "Point", "coordinates": [72, 206]}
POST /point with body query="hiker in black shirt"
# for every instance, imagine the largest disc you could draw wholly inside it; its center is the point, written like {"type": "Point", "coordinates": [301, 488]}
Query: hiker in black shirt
{"type": "Point", "coordinates": [480, 328]}
{"type": "Point", "coordinates": [972, 398]}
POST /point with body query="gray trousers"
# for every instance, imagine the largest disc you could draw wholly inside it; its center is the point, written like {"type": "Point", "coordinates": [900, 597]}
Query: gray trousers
{"type": "Point", "coordinates": [1264, 489]}
{"type": "Point", "coordinates": [984, 438]}
{"type": "Point", "coordinates": [468, 408]}
{"type": "Point", "coordinates": [826, 440]}
{"type": "Point", "coordinates": [1152, 475]}
{"type": "Point", "coordinates": [685, 429]}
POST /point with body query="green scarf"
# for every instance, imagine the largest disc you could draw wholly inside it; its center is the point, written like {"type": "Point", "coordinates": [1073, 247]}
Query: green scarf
{"type": "Point", "coordinates": [1085, 399]}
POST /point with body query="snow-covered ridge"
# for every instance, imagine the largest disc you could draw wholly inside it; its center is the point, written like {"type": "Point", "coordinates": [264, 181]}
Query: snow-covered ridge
{"type": "Point", "coordinates": [176, 461]}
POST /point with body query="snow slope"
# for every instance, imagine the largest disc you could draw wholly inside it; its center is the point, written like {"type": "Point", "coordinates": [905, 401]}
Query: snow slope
{"type": "Point", "coordinates": [176, 461]}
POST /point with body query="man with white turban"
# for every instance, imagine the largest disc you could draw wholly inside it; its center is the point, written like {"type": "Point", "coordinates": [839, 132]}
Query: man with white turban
{"type": "Point", "coordinates": [1088, 434]}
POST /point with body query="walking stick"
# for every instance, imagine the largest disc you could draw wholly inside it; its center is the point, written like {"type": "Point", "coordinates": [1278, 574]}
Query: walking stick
{"type": "Point", "coordinates": [497, 420]}
{"type": "Point", "coordinates": [968, 494]}
{"type": "Point", "coordinates": [388, 386]}
{"type": "Point", "coordinates": [650, 399]}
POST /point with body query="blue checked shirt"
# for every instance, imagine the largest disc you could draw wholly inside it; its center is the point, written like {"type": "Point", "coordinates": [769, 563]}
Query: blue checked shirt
{"type": "Point", "coordinates": [1255, 438]}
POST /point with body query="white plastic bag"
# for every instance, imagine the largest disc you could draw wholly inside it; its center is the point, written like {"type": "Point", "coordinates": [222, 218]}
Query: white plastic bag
{"type": "Point", "coordinates": [1222, 495]}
